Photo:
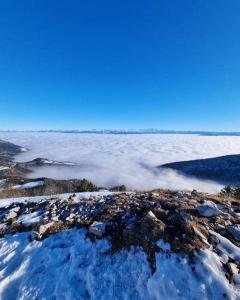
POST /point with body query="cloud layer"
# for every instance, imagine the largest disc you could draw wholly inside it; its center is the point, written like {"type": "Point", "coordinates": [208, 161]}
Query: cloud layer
{"type": "Point", "coordinates": [110, 160]}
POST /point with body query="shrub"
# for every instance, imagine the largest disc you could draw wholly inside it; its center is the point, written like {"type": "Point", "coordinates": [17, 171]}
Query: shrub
{"type": "Point", "coordinates": [86, 186]}
{"type": "Point", "coordinates": [231, 191]}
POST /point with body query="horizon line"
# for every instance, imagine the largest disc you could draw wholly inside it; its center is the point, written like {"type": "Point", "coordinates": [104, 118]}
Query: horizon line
{"type": "Point", "coordinates": [130, 131]}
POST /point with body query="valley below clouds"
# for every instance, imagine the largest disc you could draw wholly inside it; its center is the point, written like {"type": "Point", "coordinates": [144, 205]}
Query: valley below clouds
{"type": "Point", "coordinates": [109, 160]}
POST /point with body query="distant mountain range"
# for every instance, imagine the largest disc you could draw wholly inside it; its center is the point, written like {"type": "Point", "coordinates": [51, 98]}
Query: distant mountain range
{"type": "Point", "coordinates": [137, 131]}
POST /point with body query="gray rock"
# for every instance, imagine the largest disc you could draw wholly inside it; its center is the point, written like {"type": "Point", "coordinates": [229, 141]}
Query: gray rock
{"type": "Point", "coordinates": [194, 193]}
{"type": "Point", "coordinates": [97, 228]}
{"type": "Point", "coordinates": [179, 194]}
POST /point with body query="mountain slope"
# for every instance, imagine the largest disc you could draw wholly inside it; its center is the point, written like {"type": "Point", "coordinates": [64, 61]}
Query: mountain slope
{"type": "Point", "coordinates": [224, 169]}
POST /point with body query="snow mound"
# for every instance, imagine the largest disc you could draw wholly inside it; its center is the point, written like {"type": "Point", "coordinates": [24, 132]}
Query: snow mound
{"type": "Point", "coordinates": [67, 265]}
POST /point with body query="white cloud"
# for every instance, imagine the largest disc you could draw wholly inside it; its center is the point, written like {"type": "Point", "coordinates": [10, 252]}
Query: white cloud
{"type": "Point", "coordinates": [110, 160]}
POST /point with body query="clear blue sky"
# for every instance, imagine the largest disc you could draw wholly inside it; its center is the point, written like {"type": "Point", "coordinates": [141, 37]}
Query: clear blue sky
{"type": "Point", "coordinates": [120, 64]}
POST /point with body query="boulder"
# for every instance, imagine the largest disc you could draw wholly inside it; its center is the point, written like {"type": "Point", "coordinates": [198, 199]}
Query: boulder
{"type": "Point", "coordinates": [208, 209]}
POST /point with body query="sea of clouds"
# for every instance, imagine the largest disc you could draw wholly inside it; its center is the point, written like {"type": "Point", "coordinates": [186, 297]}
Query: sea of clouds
{"type": "Point", "coordinates": [110, 160]}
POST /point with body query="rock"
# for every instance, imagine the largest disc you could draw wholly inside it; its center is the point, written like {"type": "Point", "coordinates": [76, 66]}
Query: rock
{"type": "Point", "coordinates": [220, 227]}
{"type": "Point", "coordinates": [149, 229]}
{"type": "Point", "coordinates": [97, 228]}
{"type": "Point", "coordinates": [74, 199]}
{"type": "Point", "coordinates": [235, 231]}
{"type": "Point", "coordinates": [237, 216]}
{"type": "Point", "coordinates": [227, 217]}
{"type": "Point", "coordinates": [154, 194]}
{"type": "Point", "coordinates": [208, 209]}
{"type": "Point", "coordinates": [200, 235]}
{"type": "Point", "coordinates": [186, 217]}
{"type": "Point", "coordinates": [70, 217]}
{"type": "Point", "coordinates": [11, 215]}
{"type": "Point", "coordinates": [179, 194]}
{"type": "Point", "coordinates": [43, 228]}
{"type": "Point", "coordinates": [16, 209]}
{"type": "Point", "coordinates": [35, 235]}
{"type": "Point", "coordinates": [194, 193]}
{"type": "Point", "coordinates": [233, 269]}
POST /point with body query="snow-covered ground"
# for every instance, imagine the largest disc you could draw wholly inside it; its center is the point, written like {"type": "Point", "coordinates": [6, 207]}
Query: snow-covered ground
{"type": "Point", "coordinates": [110, 160]}
{"type": "Point", "coordinates": [69, 266]}
{"type": "Point", "coordinates": [84, 195]}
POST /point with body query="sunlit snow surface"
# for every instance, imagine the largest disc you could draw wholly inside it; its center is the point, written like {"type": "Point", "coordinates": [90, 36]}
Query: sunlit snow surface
{"type": "Point", "coordinates": [110, 160]}
{"type": "Point", "coordinates": [69, 266]}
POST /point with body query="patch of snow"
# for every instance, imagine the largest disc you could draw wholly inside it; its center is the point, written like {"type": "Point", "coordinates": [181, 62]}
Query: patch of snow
{"type": "Point", "coordinates": [47, 161]}
{"type": "Point", "coordinates": [163, 245]}
{"type": "Point", "coordinates": [227, 247]}
{"type": "Point", "coordinates": [28, 185]}
{"type": "Point", "coordinates": [208, 209]}
{"type": "Point", "coordinates": [83, 196]}
{"type": "Point", "coordinates": [30, 219]}
{"type": "Point", "coordinates": [69, 266]}
{"type": "Point", "coordinates": [3, 168]}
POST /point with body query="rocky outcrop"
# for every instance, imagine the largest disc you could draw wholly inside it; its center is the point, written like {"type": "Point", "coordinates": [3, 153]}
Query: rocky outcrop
{"type": "Point", "coordinates": [133, 219]}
